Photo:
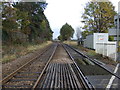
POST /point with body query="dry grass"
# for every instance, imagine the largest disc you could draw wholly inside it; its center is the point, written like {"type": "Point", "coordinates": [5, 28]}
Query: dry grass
{"type": "Point", "coordinates": [71, 42]}
{"type": "Point", "coordinates": [13, 52]}
{"type": "Point", "coordinates": [32, 48]}
{"type": "Point", "coordinates": [92, 53]}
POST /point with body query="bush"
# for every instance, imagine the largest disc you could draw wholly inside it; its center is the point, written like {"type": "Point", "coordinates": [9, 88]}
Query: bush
{"type": "Point", "coordinates": [111, 38]}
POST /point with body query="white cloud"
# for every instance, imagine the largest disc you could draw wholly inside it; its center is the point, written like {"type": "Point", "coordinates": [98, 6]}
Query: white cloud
{"type": "Point", "coordinates": [58, 12]}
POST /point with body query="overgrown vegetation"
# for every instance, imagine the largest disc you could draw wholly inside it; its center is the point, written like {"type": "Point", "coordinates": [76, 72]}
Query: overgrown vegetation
{"type": "Point", "coordinates": [25, 28]}
{"type": "Point", "coordinates": [111, 38]}
{"type": "Point", "coordinates": [11, 52]}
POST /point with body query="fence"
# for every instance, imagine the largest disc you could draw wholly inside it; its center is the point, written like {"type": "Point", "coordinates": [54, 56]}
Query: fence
{"type": "Point", "coordinates": [107, 49]}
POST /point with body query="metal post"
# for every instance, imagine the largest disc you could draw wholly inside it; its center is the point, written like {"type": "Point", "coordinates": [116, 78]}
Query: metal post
{"type": "Point", "coordinates": [118, 27]}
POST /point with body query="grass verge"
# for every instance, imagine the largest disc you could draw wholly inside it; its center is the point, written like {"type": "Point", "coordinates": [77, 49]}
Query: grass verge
{"type": "Point", "coordinates": [13, 52]}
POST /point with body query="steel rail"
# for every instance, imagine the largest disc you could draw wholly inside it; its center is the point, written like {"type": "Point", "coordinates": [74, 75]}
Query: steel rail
{"type": "Point", "coordinates": [94, 61]}
{"type": "Point", "coordinates": [84, 80]}
{"type": "Point", "coordinates": [39, 78]}
{"type": "Point", "coordinates": [4, 80]}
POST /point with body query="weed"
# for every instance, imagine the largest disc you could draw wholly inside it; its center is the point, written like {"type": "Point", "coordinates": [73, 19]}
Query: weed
{"type": "Point", "coordinates": [13, 52]}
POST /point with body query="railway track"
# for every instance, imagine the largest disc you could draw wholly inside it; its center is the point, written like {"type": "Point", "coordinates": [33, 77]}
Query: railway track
{"type": "Point", "coordinates": [26, 75]}
{"type": "Point", "coordinates": [60, 71]}
{"type": "Point", "coordinates": [91, 68]}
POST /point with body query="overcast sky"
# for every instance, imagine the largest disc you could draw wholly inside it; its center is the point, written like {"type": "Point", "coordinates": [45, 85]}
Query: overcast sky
{"type": "Point", "coordinates": [58, 12]}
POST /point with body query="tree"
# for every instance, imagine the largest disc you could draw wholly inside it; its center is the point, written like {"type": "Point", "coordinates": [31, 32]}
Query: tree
{"type": "Point", "coordinates": [9, 24]}
{"type": "Point", "coordinates": [79, 35]}
{"type": "Point", "coordinates": [98, 16]}
{"type": "Point", "coordinates": [25, 18]}
{"type": "Point", "coordinates": [60, 37]}
{"type": "Point", "coordinates": [35, 17]}
{"type": "Point", "coordinates": [66, 32]}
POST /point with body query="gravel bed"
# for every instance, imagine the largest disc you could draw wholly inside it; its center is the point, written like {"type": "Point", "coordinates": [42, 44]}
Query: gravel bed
{"type": "Point", "coordinates": [61, 56]}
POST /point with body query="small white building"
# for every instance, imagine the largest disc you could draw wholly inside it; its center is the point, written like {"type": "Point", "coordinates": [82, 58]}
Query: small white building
{"type": "Point", "coordinates": [99, 42]}
{"type": "Point", "coordinates": [107, 49]}
{"type": "Point", "coordinates": [90, 41]}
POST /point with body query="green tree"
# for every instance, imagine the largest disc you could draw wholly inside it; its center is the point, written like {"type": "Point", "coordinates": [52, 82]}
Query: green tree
{"type": "Point", "coordinates": [9, 24]}
{"type": "Point", "coordinates": [31, 25]}
{"type": "Point", "coordinates": [60, 37]}
{"type": "Point", "coordinates": [98, 16]}
{"type": "Point", "coordinates": [66, 32]}
{"type": "Point", "coordinates": [25, 18]}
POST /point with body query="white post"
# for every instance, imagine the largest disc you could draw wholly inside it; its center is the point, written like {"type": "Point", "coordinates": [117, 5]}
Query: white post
{"type": "Point", "coordinates": [103, 49]}
{"type": "Point", "coordinates": [107, 44]}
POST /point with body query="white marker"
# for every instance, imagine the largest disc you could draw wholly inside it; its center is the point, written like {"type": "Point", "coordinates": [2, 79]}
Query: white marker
{"type": "Point", "coordinates": [112, 78]}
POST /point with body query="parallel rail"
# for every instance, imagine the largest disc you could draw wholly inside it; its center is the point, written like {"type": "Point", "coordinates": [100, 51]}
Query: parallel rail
{"type": "Point", "coordinates": [61, 75]}
{"type": "Point", "coordinates": [56, 77]}
{"type": "Point", "coordinates": [84, 80]}
{"type": "Point", "coordinates": [38, 80]}
{"type": "Point", "coordinates": [18, 71]}
{"type": "Point", "coordinates": [94, 61]}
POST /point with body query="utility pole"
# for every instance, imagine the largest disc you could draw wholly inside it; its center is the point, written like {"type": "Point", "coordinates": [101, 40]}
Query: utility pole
{"type": "Point", "coordinates": [118, 35]}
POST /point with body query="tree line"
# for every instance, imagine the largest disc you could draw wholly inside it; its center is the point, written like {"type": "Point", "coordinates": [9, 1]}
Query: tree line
{"type": "Point", "coordinates": [25, 21]}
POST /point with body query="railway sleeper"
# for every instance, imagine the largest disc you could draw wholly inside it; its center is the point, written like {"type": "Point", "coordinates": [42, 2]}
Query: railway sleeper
{"type": "Point", "coordinates": [22, 72]}
{"type": "Point", "coordinates": [18, 80]}
{"type": "Point", "coordinates": [59, 76]}
{"type": "Point", "coordinates": [17, 86]}
{"type": "Point", "coordinates": [31, 76]}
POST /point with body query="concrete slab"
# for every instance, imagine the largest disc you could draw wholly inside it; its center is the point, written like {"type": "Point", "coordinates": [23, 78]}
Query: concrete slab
{"type": "Point", "coordinates": [116, 83]}
{"type": "Point", "coordinates": [98, 77]}
{"type": "Point", "coordinates": [99, 81]}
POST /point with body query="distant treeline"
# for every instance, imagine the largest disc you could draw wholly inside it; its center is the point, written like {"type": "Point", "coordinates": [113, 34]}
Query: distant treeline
{"type": "Point", "coordinates": [24, 22]}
